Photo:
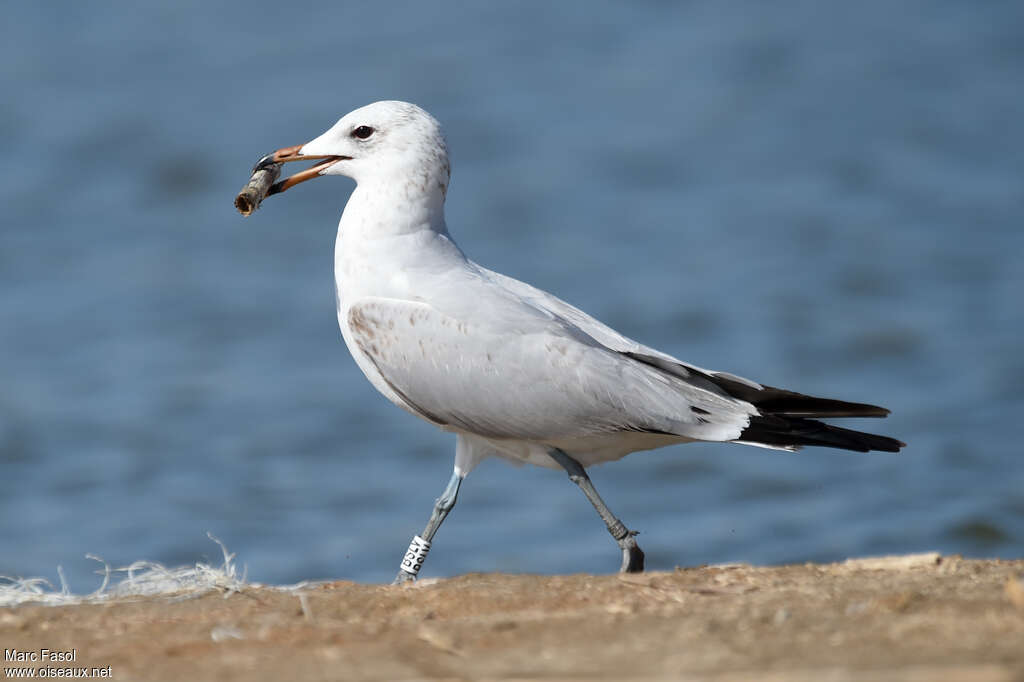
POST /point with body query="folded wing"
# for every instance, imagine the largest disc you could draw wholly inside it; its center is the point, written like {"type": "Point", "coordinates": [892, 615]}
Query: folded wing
{"type": "Point", "coordinates": [531, 376]}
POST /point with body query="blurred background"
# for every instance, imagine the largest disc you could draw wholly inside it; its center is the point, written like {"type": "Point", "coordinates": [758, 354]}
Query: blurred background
{"type": "Point", "coordinates": [825, 196]}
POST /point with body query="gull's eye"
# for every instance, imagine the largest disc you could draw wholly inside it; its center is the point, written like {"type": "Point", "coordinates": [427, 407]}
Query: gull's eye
{"type": "Point", "coordinates": [362, 132]}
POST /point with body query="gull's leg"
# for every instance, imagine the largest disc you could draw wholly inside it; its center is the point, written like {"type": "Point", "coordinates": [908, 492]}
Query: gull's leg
{"type": "Point", "coordinates": [417, 552]}
{"type": "Point", "coordinates": [632, 556]}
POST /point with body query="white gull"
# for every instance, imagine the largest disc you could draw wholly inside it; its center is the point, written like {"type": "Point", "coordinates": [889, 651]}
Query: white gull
{"type": "Point", "coordinates": [513, 371]}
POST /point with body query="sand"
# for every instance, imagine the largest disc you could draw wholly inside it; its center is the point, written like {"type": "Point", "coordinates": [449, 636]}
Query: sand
{"type": "Point", "coordinates": [920, 617]}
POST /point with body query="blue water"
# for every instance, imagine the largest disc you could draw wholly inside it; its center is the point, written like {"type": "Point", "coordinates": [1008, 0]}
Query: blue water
{"type": "Point", "coordinates": [823, 196]}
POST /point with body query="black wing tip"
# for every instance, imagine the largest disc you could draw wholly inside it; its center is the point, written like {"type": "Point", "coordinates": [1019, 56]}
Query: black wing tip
{"type": "Point", "coordinates": [801, 406]}
{"type": "Point", "coordinates": [767, 399]}
{"type": "Point", "coordinates": [865, 410]}
{"type": "Point", "coordinates": [871, 410]}
{"type": "Point", "coordinates": [796, 432]}
{"type": "Point", "coordinates": [886, 444]}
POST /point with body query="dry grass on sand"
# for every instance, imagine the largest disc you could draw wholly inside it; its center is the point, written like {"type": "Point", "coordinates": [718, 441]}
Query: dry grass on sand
{"type": "Point", "coordinates": [919, 617]}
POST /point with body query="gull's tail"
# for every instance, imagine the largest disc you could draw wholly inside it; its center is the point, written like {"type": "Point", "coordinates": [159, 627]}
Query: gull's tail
{"type": "Point", "coordinates": [790, 433]}
{"type": "Point", "coordinates": [787, 421]}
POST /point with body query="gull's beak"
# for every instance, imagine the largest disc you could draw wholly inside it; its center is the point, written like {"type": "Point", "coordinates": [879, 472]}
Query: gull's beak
{"type": "Point", "coordinates": [292, 154]}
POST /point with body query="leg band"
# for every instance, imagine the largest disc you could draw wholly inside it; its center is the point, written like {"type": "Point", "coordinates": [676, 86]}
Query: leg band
{"type": "Point", "coordinates": [415, 556]}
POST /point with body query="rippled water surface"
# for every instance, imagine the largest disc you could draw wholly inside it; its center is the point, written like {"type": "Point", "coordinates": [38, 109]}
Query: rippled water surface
{"type": "Point", "coordinates": [821, 196]}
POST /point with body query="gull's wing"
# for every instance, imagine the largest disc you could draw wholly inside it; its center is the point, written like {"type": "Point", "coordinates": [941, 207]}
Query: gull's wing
{"type": "Point", "coordinates": [768, 399]}
{"type": "Point", "coordinates": [597, 329]}
{"type": "Point", "coordinates": [780, 419]}
{"type": "Point", "coordinates": [516, 371]}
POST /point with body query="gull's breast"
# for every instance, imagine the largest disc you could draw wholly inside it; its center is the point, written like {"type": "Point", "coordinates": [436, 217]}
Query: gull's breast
{"type": "Point", "coordinates": [401, 267]}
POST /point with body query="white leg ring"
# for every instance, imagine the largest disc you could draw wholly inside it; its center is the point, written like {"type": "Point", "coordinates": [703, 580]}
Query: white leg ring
{"type": "Point", "coordinates": [415, 556]}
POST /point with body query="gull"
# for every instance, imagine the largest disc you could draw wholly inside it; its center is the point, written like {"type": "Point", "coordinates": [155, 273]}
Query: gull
{"type": "Point", "coordinates": [513, 371]}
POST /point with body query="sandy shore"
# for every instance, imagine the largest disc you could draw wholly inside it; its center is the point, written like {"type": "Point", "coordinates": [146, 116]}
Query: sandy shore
{"type": "Point", "coordinates": [919, 617]}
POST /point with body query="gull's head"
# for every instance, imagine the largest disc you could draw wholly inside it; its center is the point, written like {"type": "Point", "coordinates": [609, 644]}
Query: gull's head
{"type": "Point", "coordinates": [385, 141]}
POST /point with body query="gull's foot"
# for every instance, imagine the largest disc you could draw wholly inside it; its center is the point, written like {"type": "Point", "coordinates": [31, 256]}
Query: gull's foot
{"type": "Point", "coordinates": [404, 577]}
{"type": "Point", "coordinates": [632, 555]}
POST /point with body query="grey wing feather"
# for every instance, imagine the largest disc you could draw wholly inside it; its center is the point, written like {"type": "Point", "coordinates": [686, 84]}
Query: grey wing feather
{"type": "Point", "coordinates": [534, 375]}
{"type": "Point", "coordinates": [767, 399]}
{"type": "Point", "coordinates": [605, 334]}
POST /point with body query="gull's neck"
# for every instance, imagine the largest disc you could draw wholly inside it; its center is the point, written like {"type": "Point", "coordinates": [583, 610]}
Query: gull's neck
{"type": "Point", "coordinates": [390, 236]}
{"type": "Point", "coordinates": [388, 206]}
